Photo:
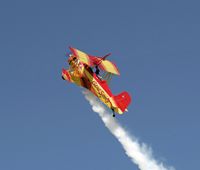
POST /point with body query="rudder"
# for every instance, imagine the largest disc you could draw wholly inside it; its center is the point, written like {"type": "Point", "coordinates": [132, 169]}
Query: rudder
{"type": "Point", "coordinates": [123, 100]}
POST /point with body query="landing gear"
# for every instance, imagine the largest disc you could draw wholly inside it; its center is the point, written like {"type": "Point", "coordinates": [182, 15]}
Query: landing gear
{"type": "Point", "coordinates": [63, 78]}
{"type": "Point", "coordinates": [113, 112]}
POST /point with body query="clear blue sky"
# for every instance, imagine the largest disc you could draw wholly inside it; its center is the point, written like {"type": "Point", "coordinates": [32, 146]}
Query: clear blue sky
{"type": "Point", "coordinates": [45, 123]}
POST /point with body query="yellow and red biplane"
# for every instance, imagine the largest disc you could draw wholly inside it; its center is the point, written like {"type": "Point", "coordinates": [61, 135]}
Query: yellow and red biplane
{"type": "Point", "coordinates": [84, 71]}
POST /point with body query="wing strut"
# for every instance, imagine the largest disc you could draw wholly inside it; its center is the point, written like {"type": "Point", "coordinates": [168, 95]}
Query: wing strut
{"type": "Point", "coordinates": [107, 76]}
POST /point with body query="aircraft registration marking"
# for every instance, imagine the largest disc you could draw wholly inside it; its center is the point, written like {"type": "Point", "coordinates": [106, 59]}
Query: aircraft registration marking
{"type": "Point", "coordinates": [100, 91]}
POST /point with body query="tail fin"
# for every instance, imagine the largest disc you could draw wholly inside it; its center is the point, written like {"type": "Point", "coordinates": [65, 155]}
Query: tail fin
{"type": "Point", "coordinates": [122, 100]}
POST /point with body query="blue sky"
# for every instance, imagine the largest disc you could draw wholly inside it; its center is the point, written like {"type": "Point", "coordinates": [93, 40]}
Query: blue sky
{"type": "Point", "coordinates": [45, 123]}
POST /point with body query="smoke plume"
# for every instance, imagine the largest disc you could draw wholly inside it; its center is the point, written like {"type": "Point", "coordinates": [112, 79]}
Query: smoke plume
{"type": "Point", "coordinates": [140, 154]}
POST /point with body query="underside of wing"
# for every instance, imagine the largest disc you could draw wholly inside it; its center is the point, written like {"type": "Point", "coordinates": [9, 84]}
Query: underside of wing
{"type": "Point", "coordinates": [109, 67]}
{"type": "Point", "coordinates": [83, 57]}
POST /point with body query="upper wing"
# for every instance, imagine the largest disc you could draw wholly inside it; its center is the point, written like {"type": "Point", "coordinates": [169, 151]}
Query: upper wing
{"type": "Point", "coordinates": [83, 57]}
{"type": "Point", "coordinates": [109, 67]}
{"type": "Point", "coordinates": [92, 61]}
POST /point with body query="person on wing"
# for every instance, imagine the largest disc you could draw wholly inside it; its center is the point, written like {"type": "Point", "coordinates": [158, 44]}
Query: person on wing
{"type": "Point", "coordinates": [97, 70]}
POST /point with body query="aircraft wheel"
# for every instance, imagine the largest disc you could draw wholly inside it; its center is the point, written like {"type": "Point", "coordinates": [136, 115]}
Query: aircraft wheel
{"type": "Point", "coordinates": [63, 78]}
{"type": "Point", "coordinates": [113, 112]}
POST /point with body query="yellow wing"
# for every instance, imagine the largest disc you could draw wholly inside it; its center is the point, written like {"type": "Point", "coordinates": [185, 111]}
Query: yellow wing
{"type": "Point", "coordinates": [83, 57]}
{"type": "Point", "coordinates": [92, 61]}
{"type": "Point", "coordinates": [109, 67]}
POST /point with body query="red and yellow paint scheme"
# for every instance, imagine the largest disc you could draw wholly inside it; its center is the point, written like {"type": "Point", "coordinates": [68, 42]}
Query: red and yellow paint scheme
{"type": "Point", "coordinates": [81, 72]}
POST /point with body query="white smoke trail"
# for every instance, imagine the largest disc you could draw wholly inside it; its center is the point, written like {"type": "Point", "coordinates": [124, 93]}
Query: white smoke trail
{"type": "Point", "coordinates": [140, 154]}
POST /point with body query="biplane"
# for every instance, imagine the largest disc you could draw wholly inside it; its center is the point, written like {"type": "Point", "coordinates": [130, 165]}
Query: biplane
{"type": "Point", "coordinates": [94, 73]}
